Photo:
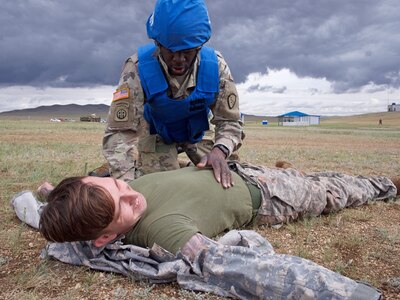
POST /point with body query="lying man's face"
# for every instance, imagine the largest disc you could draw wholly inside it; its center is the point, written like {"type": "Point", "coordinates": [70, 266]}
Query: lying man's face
{"type": "Point", "coordinates": [129, 204]}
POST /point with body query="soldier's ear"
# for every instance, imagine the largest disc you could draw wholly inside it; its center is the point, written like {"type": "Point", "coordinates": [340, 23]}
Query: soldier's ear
{"type": "Point", "coordinates": [104, 239]}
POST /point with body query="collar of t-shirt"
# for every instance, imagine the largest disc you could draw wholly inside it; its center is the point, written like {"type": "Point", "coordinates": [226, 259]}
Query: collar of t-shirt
{"type": "Point", "coordinates": [181, 86]}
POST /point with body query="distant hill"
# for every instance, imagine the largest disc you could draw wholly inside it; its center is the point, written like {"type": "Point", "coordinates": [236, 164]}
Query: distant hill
{"type": "Point", "coordinates": [388, 118]}
{"type": "Point", "coordinates": [75, 111]}
{"type": "Point", "coordinates": [72, 111]}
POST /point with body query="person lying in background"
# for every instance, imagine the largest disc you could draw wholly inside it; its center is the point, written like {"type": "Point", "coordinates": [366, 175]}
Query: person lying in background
{"type": "Point", "coordinates": [182, 210]}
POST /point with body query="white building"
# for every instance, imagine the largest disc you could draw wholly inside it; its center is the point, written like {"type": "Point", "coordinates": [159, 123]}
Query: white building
{"type": "Point", "coordinates": [297, 118]}
{"type": "Point", "coordinates": [394, 107]}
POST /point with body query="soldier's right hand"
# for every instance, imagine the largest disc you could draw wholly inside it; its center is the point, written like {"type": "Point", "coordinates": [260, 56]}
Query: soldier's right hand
{"type": "Point", "coordinates": [216, 160]}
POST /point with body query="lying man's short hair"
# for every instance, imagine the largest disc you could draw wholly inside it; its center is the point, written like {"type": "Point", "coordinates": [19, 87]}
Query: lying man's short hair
{"type": "Point", "coordinates": [73, 215]}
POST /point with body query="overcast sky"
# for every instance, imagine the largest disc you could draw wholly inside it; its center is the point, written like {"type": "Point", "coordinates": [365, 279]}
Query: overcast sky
{"type": "Point", "coordinates": [318, 56]}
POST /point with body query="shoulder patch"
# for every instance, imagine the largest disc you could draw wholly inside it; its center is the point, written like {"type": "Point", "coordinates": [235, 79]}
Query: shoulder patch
{"type": "Point", "coordinates": [231, 100]}
{"type": "Point", "coordinates": [122, 94]}
{"type": "Point", "coordinates": [121, 112]}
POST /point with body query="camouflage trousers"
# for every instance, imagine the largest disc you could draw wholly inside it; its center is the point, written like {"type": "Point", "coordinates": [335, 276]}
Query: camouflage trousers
{"type": "Point", "coordinates": [288, 194]}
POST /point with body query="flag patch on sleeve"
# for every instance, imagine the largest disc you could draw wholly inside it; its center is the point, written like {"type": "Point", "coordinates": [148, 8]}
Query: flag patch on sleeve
{"type": "Point", "coordinates": [122, 94]}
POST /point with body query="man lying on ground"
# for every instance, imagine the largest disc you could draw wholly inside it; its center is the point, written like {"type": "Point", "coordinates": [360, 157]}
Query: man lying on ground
{"type": "Point", "coordinates": [181, 210]}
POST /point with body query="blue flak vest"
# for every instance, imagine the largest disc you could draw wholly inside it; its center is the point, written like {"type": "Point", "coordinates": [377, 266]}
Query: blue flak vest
{"type": "Point", "coordinates": [174, 120]}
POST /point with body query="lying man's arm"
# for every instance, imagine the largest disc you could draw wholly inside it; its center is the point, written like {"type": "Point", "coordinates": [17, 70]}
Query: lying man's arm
{"type": "Point", "coordinates": [249, 273]}
{"type": "Point", "coordinates": [195, 245]}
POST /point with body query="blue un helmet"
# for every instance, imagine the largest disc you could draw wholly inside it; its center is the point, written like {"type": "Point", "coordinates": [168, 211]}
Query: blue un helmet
{"type": "Point", "coordinates": [179, 24]}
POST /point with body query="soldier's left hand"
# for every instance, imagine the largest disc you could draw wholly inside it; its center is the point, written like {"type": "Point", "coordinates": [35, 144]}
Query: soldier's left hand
{"type": "Point", "coordinates": [216, 160]}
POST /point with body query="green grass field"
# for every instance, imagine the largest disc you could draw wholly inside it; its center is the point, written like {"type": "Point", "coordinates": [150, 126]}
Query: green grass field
{"type": "Point", "coordinates": [363, 243]}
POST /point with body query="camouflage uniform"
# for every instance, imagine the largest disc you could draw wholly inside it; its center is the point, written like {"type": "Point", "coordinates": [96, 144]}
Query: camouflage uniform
{"type": "Point", "coordinates": [288, 194]}
{"type": "Point", "coordinates": [127, 144]}
{"type": "Point", "coordinates": [242, 266]}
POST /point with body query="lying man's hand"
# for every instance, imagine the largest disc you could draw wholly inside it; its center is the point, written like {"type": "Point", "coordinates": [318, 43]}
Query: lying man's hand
{"type": "Point", "coordinates": [216, 160]}
{"type": "Point", "coordinates": [45, 189]}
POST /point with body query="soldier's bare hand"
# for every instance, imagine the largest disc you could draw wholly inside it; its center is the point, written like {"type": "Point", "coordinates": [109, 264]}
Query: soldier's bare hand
{"type": "Point", "coordinates": [216, 160]}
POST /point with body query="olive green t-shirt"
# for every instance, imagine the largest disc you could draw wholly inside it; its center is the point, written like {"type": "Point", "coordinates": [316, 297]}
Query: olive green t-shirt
{"type": "Point", "coordinates": [182, 202]}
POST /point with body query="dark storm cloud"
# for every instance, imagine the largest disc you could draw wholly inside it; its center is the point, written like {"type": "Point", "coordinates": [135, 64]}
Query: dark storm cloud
{"type": "Point", "coordinates": [68, 43]}
{"type": "Point", "coordinates": [72, 43]}
{"type": "Point", "coordinates": [351, 43]}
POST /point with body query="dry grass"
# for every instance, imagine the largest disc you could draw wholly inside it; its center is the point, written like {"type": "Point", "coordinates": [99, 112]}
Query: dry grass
{"type": "Point", "coordinates": [363, 243]}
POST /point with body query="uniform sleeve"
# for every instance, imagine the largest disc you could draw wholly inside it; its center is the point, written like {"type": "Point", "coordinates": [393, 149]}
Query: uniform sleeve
{"type": "Point", "coordinates": [226, 114]}
{"type": "Point", "coordinates": [125, 124]}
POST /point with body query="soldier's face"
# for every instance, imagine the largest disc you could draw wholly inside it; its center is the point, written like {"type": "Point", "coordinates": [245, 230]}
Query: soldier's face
{"type": "Point", "coordinates": [180, 61]}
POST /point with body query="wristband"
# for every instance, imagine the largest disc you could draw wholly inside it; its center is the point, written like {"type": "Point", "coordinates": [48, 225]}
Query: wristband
{"type": "Point", "coordinates": [223, 148]}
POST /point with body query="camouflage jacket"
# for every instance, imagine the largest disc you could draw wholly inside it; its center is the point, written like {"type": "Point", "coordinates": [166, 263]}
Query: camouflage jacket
{"type": "Point", "coordinates": [243, 266]}
{"type": "Point", "coordinates": [127, 143]}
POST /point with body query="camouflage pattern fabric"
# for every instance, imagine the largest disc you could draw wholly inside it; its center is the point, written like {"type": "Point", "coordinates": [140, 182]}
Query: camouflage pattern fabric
{"type": "Point", "coordinates": [102, 171]}
{"type": "Point", "coordinates": [155, 156]}
{"type": "Point", "coordinates": [127, 144]}
{"type": "Point", "coordinates": [288, 194]}
{"type": "Point", "coordinates": [242, 266]}
{"type": "Point", "coordinates": [155, 265]}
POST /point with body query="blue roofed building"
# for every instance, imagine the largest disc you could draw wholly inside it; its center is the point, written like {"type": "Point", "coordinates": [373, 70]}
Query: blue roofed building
{"type": "Point", "coordinates": [298, 118]}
